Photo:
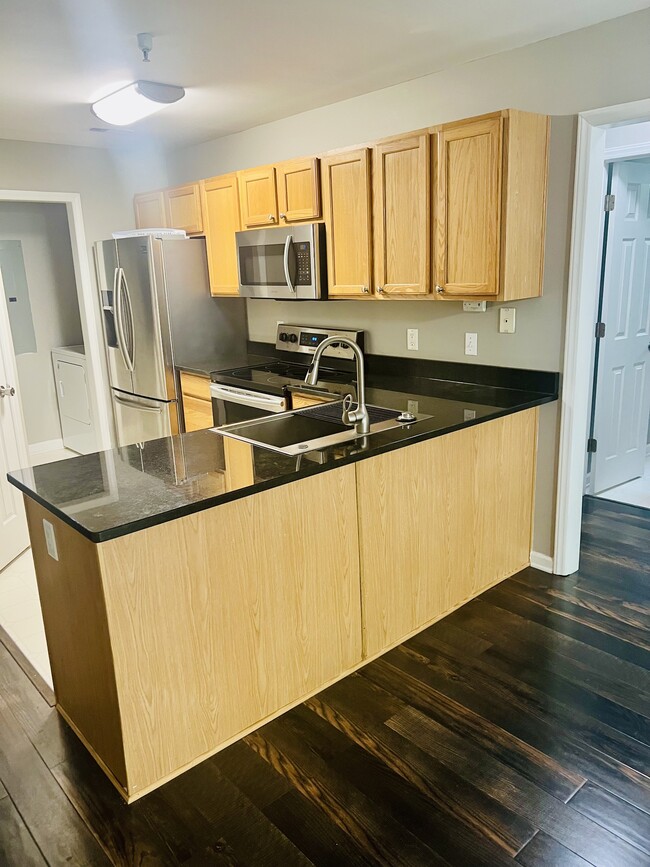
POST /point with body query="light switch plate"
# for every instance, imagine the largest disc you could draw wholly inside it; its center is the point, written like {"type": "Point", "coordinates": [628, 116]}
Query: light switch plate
{"type": "Point", "coordinates": [412, 338]}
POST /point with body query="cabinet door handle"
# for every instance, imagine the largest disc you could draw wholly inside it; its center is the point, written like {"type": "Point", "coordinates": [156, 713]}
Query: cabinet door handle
{"type": "Point", "coordinates": [271, 218]}
{"type": "Point", "coordinates": [365, 290]}
{"type": "Point", "coordinates": [283, 216]}
{"type": "Point", "coordinates": [380, 289]}
{"type": "Point", "coordinates": [439, 289]}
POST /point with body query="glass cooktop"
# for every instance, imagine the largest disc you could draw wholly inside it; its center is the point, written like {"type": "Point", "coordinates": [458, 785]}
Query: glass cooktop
{"type": "Point", "coordinates": [278, 374]}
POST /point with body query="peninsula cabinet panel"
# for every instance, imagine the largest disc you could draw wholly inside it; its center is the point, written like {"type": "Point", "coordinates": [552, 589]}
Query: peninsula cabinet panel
{"type": "Point", "coordinates": [347, 214]}
{"type": "Point", "coordinates": [150, 210]}
{"type": "Point", "coordinates": [220, 198]}
{"type": "Point", "coordinates": [222, 618]}
{"type": "Point", "coordinates": [183, 209]}
{"type": "Point", "coordinates": [442, 520]}
{"type": "Point", "coordinates": [467, 196]}
{"type": "Point", "coordinates": [401, 216]}
{"type": "Point", "coordinates": [257, 195]}
{"type": "Point", "coordinates": [298, 190]}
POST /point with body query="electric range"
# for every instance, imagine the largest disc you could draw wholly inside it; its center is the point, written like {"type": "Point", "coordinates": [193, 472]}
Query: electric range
{"type": "Point", "coordinates": [278, 385]}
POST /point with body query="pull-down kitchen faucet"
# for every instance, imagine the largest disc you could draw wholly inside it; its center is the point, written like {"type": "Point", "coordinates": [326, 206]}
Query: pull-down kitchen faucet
{"type": "Point", "coordinates": [358, 417]}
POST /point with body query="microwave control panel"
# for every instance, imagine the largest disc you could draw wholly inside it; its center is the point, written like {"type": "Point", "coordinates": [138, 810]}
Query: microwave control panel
{"type": "Point", "coordinates": [303, 262]}
{"type": "Point", "coordinates": [300, 338]}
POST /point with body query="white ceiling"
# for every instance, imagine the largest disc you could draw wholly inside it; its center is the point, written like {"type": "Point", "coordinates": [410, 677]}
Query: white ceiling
{"type": "Point", "coordinates": [245, 62]}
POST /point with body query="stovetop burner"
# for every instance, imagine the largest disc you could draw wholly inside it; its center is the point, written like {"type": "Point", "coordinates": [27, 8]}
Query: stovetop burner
{"type": "Point", "coordinates": [281, 373]}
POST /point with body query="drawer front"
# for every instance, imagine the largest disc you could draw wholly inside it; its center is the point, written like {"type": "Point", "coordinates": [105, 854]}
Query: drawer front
{"type": "Point", "coordinates": [195, 386]}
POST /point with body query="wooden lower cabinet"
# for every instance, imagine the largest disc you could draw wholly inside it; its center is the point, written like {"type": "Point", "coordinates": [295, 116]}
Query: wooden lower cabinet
{"type": "Point", "coordinates": [197, 403]}
{"type": "Point", "coordinates": [170, 643]}
{"type": "Point", "coordinates": [441, 521]}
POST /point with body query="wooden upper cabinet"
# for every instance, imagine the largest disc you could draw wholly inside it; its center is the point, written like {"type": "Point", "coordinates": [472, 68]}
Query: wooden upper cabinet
{"type": "Point", "coordinates": [401, 216]}
{"type": "Point", "coordinates": [489, 198]}
{"type": "Point", "coordinates": [298, 190]}
{"type": "Point", "coordinates": [467, 204]}
{"type": "Point", "coordinates": [257, 195]}
{"type": "Point", "coordinates": [150, 210]}
{"type": "Point", "coordinates": [347, 213]}
{"type": "Point", "coordinates": [183, 208]}
{"type": "Point", "coordinates": [221, 215]}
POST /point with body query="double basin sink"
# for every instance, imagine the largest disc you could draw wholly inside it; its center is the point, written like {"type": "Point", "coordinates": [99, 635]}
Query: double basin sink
{"type": "Point", "coordinates": [317, 427]}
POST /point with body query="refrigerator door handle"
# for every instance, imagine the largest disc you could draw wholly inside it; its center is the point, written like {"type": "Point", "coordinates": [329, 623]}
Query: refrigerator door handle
{"type": "Point", "coordinates": [132, 404]}
{"type": "Point", "coordinates": [118, 286]}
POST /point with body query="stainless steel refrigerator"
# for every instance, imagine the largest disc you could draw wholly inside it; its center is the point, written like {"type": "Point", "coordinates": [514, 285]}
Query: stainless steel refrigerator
{"type": "Point", "coordinates": [158, 313]}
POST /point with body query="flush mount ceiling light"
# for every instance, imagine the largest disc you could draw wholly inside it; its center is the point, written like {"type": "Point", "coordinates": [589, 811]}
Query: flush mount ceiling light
{"type": "Point", "coordinates": [135, 101]}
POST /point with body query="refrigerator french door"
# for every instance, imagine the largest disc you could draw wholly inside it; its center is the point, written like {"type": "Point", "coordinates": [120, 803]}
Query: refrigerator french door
{"type": "Point", "coordinates": [157, 312]}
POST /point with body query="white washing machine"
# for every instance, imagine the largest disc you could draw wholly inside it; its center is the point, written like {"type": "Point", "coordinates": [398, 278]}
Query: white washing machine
{"type": "Point", "coordinates": [70, 375]}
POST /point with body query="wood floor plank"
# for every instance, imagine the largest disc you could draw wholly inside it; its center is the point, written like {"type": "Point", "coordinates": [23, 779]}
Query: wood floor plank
{"type": "Point", "coordinates": [567, 825]}
{"type": "Point", "coordinates": [17, 847]}
{"type": "Point", "coordinates": [52, 821]}
{"type": "Point", "coordinates": [609, 811]}
{"type": "Point", "coordinates": [261, 784]}
{"type": "Point", "coordinates": [529, 727]}
{"type": "Point", "coordinates": [457, 815]}
{"type": "Point", "coordinates": [371, 827]}
{"type": "Point", "coordinates": [544, 851]}
{"type": "Point", "coordinates": [606, 675]}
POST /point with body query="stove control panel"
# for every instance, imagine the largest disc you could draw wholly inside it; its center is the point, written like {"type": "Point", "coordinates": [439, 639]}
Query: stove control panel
{"type": "Point", "coordinates": [301, 338]}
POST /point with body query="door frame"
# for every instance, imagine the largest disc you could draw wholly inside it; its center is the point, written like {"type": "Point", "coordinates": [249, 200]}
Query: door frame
{"type": "Point", "coordinates": [582, 306]}
{"type": "Point", "coordinates": [87, 297]}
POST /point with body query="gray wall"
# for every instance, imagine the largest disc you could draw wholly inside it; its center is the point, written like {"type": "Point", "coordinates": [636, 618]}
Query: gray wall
{"type": "Point", "coordinates": [44, 234]}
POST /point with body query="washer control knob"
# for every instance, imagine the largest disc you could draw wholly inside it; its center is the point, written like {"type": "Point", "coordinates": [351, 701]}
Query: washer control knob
{"type": "Point", "coordinates": [406, 417]}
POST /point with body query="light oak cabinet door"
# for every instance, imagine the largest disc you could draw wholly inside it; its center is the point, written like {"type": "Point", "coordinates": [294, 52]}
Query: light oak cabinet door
{"type": "Point", "coordinates": [298, 190]}
{"type": "Point", "coordinates": [347, 213]}
{"type": "Point", "coordinates": [183, 209]}
{"type": "Point", "coordinates": [221, 215]}
{"type": "Point", "coordinates": [401, 216]}
{"type": "Point", "coordinates": [257, 195]}
{"type": "Point", "coordinates": [197, 404]}
{"type": "Point", "coordinates": [467, 204]}
{"type": "Point", "coordinates": [150, 210]}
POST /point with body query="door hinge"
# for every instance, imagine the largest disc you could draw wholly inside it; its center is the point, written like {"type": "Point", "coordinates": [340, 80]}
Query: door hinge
{"type": "Point", "coordinates": [592, 445]}
{"type": "Point", "coordinates": [600, 329]}
{"type": "Point", "coordinates": [610, 201]}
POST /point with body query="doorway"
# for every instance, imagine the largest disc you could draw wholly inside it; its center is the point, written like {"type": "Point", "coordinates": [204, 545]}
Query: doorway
{"type": "Point", "coordinates": [604, 136]}
{"type": "Point", "coordinates": [618, 464]}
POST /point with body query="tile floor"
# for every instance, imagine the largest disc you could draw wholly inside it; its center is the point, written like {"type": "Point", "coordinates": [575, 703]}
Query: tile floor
{"type": "Point", "coordinates": [20, 609]}
{"type": "Point", "coordinates": [635, 493]}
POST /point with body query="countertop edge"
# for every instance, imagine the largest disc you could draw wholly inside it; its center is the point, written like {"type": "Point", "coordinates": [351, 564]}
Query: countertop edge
{"type": "Point", "coordinates": [242, 493]}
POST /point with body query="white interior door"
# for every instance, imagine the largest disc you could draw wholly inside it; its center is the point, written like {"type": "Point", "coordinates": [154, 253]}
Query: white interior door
{"type": "Point", "coordinates": [14, 538]}
{"type": "Point", "coordinates": [623, 384]}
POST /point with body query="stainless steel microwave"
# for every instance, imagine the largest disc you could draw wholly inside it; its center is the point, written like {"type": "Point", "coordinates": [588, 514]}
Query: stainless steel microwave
{"type": "Point", "coordinates": [288, 263]}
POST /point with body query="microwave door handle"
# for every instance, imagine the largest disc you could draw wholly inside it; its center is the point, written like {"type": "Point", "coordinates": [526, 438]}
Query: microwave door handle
{"type": "Point", "coordinates": [287, 274]}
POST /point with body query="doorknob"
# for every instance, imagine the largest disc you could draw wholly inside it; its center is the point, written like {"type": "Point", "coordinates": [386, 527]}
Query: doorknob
{"type": "Point", "coordinates": [7, 391]}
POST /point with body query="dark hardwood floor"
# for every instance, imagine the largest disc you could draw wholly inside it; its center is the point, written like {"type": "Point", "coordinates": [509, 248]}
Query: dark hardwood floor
{"type": "Point", "coordinates": [515, 731]}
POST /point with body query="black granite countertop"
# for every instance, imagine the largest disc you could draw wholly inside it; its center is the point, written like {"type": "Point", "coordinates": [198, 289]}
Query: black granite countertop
{"type": "Point", "coordinates": [205, 366]}
{"type": "Point", "coordinates": [123, 490]}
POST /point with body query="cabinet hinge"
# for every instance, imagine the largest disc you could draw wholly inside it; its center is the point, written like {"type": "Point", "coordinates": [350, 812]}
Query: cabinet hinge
{"type": "Point", "coordinates": [592, 445]}
{"type": "Point", "coordinates": [600, 329]}
{"type": "Point", "coordinates": [610, 201]}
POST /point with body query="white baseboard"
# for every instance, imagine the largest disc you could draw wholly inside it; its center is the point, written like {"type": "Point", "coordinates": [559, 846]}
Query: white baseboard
{"type": "Point", "coordinates": [541, 561]}
{"type": "Point", "coordinates": [46, 446]}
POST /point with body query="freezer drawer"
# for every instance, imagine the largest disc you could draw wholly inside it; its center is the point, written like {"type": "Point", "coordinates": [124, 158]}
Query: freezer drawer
{"type": "Point", "coordinates": [139, 419]}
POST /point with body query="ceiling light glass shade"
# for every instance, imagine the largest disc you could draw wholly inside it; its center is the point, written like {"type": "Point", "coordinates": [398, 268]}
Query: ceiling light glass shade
{"type": "Point", "coordinates": [135, 101]}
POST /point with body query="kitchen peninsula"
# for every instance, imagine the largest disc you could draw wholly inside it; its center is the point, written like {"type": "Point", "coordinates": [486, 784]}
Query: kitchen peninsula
{"type": "Point", "coordinates": [194, 587]}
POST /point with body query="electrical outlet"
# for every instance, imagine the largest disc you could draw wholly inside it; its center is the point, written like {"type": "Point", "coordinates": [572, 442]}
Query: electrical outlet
{"type": "Point", "coordinates": [413, 406]}
{"type": "Point", "coordinates": [507, 320]}
{"type": "Point", "coordinates": [474, 306]}
{"type": "Point", "coordinates": [469, 414]}
{"type": "Point", "coordinates": [412, 338]}
{"type": "Point", "coordinates": [471, 343]}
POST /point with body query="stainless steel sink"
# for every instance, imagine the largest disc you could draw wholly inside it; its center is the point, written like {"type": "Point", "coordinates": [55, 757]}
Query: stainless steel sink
{"type": "Point", "coordinates": [318, 427]}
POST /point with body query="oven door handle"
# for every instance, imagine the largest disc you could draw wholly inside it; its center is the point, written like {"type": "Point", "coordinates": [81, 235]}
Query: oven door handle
{"type": "Point", "coordinates": [256, 400]}
{"type": "Point", "coordinates": [287, 274]}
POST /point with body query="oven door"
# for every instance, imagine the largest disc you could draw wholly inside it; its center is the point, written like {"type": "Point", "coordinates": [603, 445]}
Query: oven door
{"type": "Point", "coordinates": [231, 404]}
